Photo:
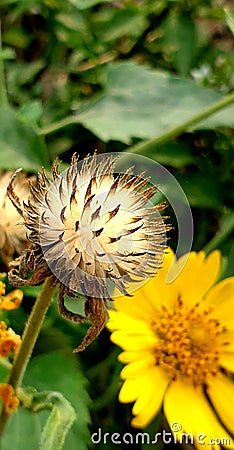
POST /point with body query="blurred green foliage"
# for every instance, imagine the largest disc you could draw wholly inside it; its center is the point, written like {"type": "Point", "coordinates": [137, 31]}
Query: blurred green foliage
{"type": "Point", "coordinates": [77, 75]}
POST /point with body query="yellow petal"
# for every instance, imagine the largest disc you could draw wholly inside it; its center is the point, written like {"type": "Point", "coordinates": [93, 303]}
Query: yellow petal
{"type": "Point", "coordinates": [148, 299]}
{"type": "Point", "coordinates": [227, 340]}
{"type": "Point", "coordinates": [138, 368]}
{"type": "Point", "coordinates": [130, 389]}
{"type": "Point", "coordinates": [227, 361]}
{"type": "Point", "coordinates": [168, 260]}
{"type": "Point", "coordinates": [158, 290]}
{"type": "Point", "coordinates": [130, 356]}
{"type": "Point", "coordinates": [221, 393]}
{"type": "Point", "coordinates": [187, 406]}
{"type": "Point", "coordinates": [137, 306]}
{"type": "Point", "coordinates": [150, 400]}
{"type": "Point", "coordinates": [133, 341]}
{"type": "Point", "coordinates": [122, 321]}
{"type": "Point", "coordinates": [221, 298]}
{"type": "Point", "coordinates": [199, 273]}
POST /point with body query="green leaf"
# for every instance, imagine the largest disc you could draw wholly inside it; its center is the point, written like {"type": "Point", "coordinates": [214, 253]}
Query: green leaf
{"type": "Point", "coordinates": [23, 431]}
{"type": "Point", "coordinates": [7, 53]}
{"type": "Point", "coordinates": [229, 18]}
{"type": "Point", "coordinates": [56, 372]}
{"type": "Point", "coordinates": [20, 145]}
{"type": "Point", "coordinates": [144, 103]}
{"type": "Point", "coordinates": [174, 154]}
{"type": "Point", "coordinates": [114, 24]}
{"type": "Point", "coordinates": [16, 37]}
{"type": "Point", "coordinates": [84, 4]}
{"type": "Point", "coordinates": [180, 41]}
{"type": "Point", "coordinates": [31, 112]}
{"type": "Point", "coordinates": [202, 190]}
{"type": "Point", "coordinates": [21, 74]}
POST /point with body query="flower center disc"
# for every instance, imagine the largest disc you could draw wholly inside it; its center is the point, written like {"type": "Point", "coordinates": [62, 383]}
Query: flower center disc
{"type": "Point", "coordinates": [188, 343]}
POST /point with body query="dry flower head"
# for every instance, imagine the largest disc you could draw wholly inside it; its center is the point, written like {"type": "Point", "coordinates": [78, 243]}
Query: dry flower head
{"type": "Point", "coordinates": [12, 229]}
{"type": "Point", "coordinates": [88, 228]}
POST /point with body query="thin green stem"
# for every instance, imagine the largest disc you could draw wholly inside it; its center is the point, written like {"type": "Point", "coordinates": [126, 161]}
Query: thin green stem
{"type": "Point", "coordinates": [29, 339]}
{"type": "Point", "coordinates": [3, 91]}
{"type": "Point", "coordinates": [226, 228]}
{"type": "Point", "coordinates": [146, 146]}
{"type": "Point", "coordinates": [57, 126]}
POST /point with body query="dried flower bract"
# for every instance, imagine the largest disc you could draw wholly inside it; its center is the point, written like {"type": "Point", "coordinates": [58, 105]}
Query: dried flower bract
{"type": "Point", "coordinates": [89, 228]}
{"type": "Point", "coordinates": [12, 230]}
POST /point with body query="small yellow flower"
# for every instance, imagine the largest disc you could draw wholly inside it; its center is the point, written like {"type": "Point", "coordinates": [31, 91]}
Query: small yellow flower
{"type": "Point", "coordinates": [10, 301]}
{"type": "Point", "coordinates": [10, 401]}
{"type": "Point", "coordinates": [178, 342]}
{"type": "Point", "coordinates": [9, 340]}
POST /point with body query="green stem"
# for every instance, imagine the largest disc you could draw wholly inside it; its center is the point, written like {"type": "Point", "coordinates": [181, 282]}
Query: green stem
{"type": "Point", "coordinates": [151, 144]}
{"type": "Point", "coordinates": [226, 229]}
{"type": "Point", "coordinates": [29, 338]}
{"type": "Point", "coordinates": [3, 91]}
{"type": "Point", "coordinates": [57, 126]}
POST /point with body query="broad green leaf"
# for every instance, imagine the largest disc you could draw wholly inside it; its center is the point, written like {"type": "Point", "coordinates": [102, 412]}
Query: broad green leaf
{"type": "Point", "coordinates": [56, 372]}
{"type": "Point", "coordinates": [230, 19]}
{"type": "Point", "coordinates": [23, 431]}
{"type": "Point", "coordinates": [144, 103]}
{"type": "Point", "coordinates": [20, 146]}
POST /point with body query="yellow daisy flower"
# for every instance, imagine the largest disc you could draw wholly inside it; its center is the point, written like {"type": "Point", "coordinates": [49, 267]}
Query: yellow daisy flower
{"type": "Point", "coordinates": [178, 342]}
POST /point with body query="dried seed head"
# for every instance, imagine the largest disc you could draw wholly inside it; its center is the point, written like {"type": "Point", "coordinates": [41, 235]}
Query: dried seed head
{"type": "Point", "coordinates": [87, 227]}
{"type": "Point", "coordinates": [93, 227]}
{"type": "Point", "coordinates": [12, 228]}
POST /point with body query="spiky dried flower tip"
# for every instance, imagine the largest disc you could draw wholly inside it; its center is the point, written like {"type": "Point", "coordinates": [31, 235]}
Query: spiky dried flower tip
{"type": "Point", "coordinates": [87, 227]}
{"type": "Point", "coordinates": [12, 229]}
